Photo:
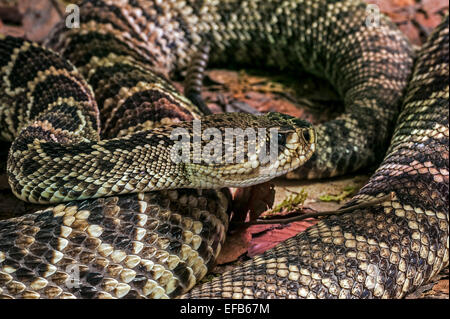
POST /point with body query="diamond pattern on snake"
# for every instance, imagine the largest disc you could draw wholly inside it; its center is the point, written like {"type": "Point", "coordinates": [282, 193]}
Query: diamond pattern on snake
{"type": "Point", "coordinates": [90, 115]}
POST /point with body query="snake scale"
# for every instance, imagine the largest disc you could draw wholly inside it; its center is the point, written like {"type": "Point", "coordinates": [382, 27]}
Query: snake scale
{"type": "Point", "coordinates": [90, 126]}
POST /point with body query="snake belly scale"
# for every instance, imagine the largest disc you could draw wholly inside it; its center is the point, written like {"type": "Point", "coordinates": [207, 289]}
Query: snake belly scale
{"type": "Point", "coordinates": [90, 125]}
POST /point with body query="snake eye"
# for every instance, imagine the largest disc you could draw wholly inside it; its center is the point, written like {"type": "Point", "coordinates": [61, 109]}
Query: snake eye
{"type": "Point", "coordinates": [281, 139]}
{"type": "Point", "coordinates": [306, 135]}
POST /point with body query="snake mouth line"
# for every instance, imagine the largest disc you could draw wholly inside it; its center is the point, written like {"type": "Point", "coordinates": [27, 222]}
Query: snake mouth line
{"type": "Point", "coordinates": [242, 141]}
{"type": "Point", "coordinates": [292, 147]}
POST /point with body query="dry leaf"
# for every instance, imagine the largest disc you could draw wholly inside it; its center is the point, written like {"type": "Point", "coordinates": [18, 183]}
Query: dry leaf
{"type": "Point", "coordinates": [442, 287]}
{"type": "Point", "coordinates": [248, 204]}
{"type": "Point", "coordinates": [235, 245]}
{"type": "Point", "coordinates": [268, 236]}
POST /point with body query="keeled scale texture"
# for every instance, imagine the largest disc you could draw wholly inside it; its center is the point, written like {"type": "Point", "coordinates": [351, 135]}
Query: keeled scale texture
{"type": "Point", "coordinates": [155, 245]}
{"type": "Point", "coordinates": [380, 252]}
{"type": "Point", "coordinates": [126, 50]}
{"type": "Point", "coordinates": [49, 111]}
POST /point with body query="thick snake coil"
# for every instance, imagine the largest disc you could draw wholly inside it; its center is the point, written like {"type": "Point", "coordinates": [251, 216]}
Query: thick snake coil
{"type": "Point", "coordinates": [161, 243]}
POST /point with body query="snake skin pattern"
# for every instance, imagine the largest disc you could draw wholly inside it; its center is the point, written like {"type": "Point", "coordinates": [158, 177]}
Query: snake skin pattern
{"type": "Point", "coordinates": [160, 244]}
{"type": "Point", "coordinates": [380, 252]}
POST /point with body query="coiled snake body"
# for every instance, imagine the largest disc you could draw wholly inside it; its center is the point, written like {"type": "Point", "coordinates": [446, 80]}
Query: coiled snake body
{"type": "Point", "coordinates": [161, 241]}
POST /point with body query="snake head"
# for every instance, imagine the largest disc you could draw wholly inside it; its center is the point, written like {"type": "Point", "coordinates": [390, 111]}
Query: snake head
{"type": "Point", "coordinates": [254, 149]}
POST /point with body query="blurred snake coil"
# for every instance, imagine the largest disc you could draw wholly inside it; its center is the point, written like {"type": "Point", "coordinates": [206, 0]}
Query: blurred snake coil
{"type": "Point", "coordinates": [90, 113]}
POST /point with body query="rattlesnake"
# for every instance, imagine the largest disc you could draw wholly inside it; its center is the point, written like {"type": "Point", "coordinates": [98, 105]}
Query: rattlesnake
{"type": "Point", "coordinates": [161, 243]}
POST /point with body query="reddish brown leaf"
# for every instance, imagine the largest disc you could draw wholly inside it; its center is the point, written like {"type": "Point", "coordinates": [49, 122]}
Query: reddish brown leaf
{"type": "Point", "coordinates": [235, 245]}
{"type": "Point", "coordinates": [442, 287]}
{"type": "Point", "coordinates": [39, 18]}
{"type": "Point", "coordinates": [268, 236]}
{"type": "Point", "coordinates": [248, 204]}
{"type": "Point", "coordinates": [416, 18]}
